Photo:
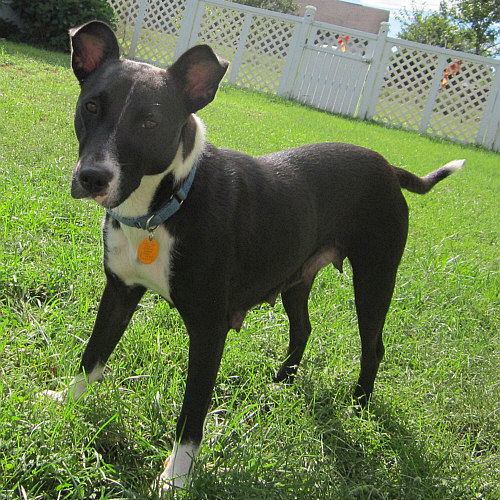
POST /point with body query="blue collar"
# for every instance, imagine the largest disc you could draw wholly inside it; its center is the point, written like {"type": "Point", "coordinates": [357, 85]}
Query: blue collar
{"type": "Point", "coordinates": [149, 222]}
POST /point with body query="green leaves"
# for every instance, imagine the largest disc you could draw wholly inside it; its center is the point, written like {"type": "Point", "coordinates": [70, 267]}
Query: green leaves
{"type": "Point", "coordinates": [466, 25]}
{"type": "Point", "coordinates": [47, 22]}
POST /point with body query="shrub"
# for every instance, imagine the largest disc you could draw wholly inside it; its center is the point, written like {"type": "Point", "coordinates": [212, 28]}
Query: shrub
{"type": "Point", "coordinates": [46, 22]}
{"type": "Point", "coordinates": [8, 29]}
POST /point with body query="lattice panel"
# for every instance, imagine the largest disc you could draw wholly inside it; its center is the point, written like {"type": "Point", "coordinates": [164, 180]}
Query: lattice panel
{"type": "Point", "coordinates": [159, 31]}
{"type": "Point", "coordinates": [407, 82]}
{"type": "Point", "coordinates": [461, 100]}
{"type": "Point", "coordinates": [336, 40]}
{"type": "Point", "coordinates": [265, 52]}
{"type": "Point", "coordinates": [126, 16]}
{"type": "Point", "coordinates": [220, 28]}
{"type": "Point", "coordinates": [413, 94]}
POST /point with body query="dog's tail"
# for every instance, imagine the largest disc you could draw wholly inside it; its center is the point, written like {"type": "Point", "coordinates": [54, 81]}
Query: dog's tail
{"type": "Point", "coordinates": [422, 185]}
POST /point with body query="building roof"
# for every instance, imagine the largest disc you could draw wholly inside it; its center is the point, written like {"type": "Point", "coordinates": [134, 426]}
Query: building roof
{"type": "Point", "coordinates": [349, 15]}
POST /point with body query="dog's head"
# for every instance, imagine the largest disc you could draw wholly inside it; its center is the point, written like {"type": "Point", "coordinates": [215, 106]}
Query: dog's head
{"type": "Point", "coordinates": [130, 116]}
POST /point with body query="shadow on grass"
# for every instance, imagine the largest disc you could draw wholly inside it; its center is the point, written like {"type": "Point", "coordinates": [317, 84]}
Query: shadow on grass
{"type": "Point", "coordinates": [375, 452]}
{"type": "Point", "coordinates": [371, 455]}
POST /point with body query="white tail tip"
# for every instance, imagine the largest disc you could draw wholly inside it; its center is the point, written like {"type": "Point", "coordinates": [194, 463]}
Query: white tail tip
{"type": "Point", "coordinates": [455, 165]}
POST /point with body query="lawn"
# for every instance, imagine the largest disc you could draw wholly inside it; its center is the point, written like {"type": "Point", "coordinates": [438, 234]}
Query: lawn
{"type": "Point", "coordinates": [432, 428]}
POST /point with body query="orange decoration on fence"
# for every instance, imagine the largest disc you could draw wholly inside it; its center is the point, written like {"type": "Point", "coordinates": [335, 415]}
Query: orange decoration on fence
{"type": "Point", "coordinates": [343, 40]}
{"type": "Point", "coordinates": [450, 71]}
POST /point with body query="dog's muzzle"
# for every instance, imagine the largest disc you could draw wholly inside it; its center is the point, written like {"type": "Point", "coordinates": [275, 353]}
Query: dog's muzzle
{"type": "Point", "coordinates": [91, 181]}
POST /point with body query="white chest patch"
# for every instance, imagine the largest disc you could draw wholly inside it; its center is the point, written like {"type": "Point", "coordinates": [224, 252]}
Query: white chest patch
{"type": "Point", "coordinates": [122, 258]}
{"type": "Point", "coordinates": [122, 244]}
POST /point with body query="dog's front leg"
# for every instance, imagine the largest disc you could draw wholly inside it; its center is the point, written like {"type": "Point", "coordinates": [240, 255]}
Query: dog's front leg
{"type": "Point", "coordinates": [205, 352]}
{"type": "Point", "coordinates": [118, 303]}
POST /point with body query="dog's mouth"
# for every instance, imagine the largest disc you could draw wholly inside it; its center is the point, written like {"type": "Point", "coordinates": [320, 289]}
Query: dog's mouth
{"type": "Point", "coordinates": [101, 199]}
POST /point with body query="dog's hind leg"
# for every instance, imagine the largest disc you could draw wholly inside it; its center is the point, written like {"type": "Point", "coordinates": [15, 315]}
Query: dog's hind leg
{"type": "Point", "coordinates": [374, 277]}
{"type": "Point", "coordinates": [295, 302]}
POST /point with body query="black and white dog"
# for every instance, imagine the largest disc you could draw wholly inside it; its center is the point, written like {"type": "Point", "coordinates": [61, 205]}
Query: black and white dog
{"type": "Point", "coordinates": [216, 232]}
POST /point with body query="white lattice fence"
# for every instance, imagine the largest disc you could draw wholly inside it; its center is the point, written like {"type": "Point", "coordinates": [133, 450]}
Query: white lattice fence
{"type": "Point", "coordinates": [160, 29]}
{"type": "Point", "coordinates": [414, 86]}
{"type": "Point", "coordinates": [333, 68]}
{"type": "Point", "coordinates": [219, 27]}
{"type": "Point", "coordinates": [256, 44]}
{"type": "Point", "coordinates": [148, 29]}
{"type": "Point", "coordinates": [126, 17]}
{"type": "Point", "coordinates": [435, 91]}
{"type": "Point", "coordinates": [461, 100]}
{"type": "Point", "coordinates": [339, 39]}
{"type": "Point", "coordinates": [406, 87]}
{"type": "Point", "coordinates": [265, 52]}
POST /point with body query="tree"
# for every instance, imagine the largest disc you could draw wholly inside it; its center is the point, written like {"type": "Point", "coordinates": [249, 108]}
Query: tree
{"type": "Point", "coordinates": [285, 6]}
{"type": "Point", "coordinates": [432, 29]}
{"type": "Point", "coordinates": [467, 25]}
{"type": "Point", "coordinates": [481, 19]}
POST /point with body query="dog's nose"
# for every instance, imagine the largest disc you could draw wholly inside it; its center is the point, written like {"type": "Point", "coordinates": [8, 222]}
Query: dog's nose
{"type": "Point", "coordinates": [94, 179]}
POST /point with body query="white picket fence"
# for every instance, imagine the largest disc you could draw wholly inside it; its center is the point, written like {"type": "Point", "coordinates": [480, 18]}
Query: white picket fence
{"type": "Point", "coordinates": [396, 82]}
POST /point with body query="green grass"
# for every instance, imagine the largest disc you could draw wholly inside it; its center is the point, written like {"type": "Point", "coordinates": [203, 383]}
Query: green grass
{"type": "Point", "coordinates": [432, 429]}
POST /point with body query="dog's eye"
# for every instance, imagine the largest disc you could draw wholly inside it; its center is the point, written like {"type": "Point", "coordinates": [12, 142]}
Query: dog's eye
{"type": "Point", "coordinates": [149, 124]}
{"type": "Point", "coordinates": [91, 107]}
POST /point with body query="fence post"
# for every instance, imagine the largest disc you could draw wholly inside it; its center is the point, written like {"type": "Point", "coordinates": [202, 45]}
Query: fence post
{"type": "Point", "coordinates": [238, 56]}
{"type": "Point", "coordinates": [187, 26]}
{"type": "Point", "coordinates": [490, 122]}
{"type": "Point", "coordinates": [139, 21]}
{"type": "Point", "coordinates": [375, 66]}
{"type": "Point", "coordinates": [379, 81]}
{"type": "Point", "coordinates": [441, 63]}
{"type": "Point", "coordinates": [297, 45]}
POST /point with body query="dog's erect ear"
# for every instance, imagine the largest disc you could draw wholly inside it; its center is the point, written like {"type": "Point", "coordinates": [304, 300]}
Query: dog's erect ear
{"type": "Point", "coordinates": [91, 45]}
{"type": "Point", "coordinates": [198, 73]}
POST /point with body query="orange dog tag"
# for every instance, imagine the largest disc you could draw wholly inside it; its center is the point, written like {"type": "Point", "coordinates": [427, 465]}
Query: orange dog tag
{"type": "Point", "coordinates": [147, 251]}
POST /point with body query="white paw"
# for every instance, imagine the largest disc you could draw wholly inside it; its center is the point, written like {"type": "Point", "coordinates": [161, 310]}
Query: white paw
{"type": "Point", "coordinates": [59, 396]}
{"type": "Point", "coordinates": [169, 480]}
{"type": "Point", "coordinates": [177, 469]}
{"type": "Point", "coordinates": [77, 387]}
